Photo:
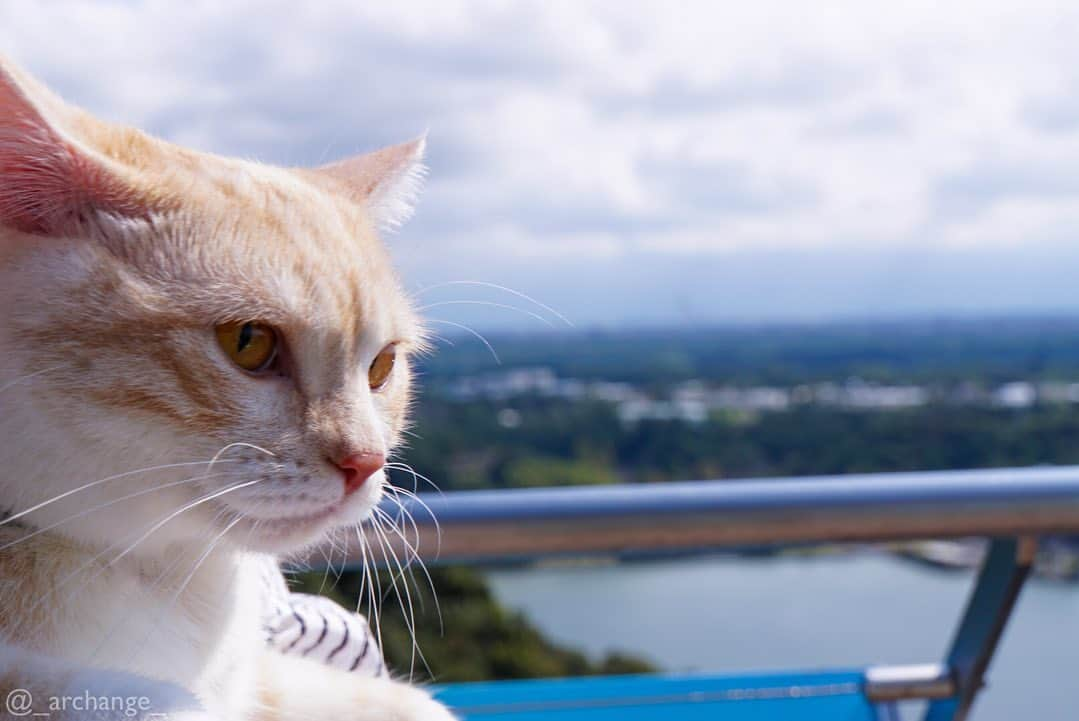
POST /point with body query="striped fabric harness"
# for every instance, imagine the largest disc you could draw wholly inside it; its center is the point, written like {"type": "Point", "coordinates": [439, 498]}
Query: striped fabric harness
{"type": "Point", "coordinates": [314, 627]}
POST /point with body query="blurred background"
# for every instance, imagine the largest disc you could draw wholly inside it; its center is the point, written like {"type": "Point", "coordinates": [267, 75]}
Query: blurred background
{"type": "Point", "coordinates": [699, 240]}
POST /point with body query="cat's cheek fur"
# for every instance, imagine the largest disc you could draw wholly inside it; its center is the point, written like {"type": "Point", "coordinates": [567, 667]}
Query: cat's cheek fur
{"type": "Point", "coordinates": [51, 449]}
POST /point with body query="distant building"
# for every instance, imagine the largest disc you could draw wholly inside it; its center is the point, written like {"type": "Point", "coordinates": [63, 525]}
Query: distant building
{"type": "Point", "coordinates": [1019, 394]}
{"type": "Point", "coordinates": [694, 401]}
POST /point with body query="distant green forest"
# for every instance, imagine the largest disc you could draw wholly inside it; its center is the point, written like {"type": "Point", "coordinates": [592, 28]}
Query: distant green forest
{"type": "Point", "coordinates": [561, 444]}
{"type": "Point", "coordinates": [989, 349]}
{"type": "Point", "coordinates": [462, 444]}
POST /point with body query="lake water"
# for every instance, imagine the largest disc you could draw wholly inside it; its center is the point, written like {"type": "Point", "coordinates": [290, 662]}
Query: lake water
{"type": "Point", "coordinates": [737, 614]}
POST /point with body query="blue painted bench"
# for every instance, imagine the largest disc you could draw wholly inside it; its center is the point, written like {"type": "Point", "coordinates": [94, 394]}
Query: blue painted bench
{"type": "Point", "coordinates": [828, 696]}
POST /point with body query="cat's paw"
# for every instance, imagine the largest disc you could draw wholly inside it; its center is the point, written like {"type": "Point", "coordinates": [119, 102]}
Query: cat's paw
{"type": "Point", "coordinates": [187, 716]}
{"type": "Point", "coordinates": [295, 688]}
{"type": "Point", "coordinates": [413, 704]}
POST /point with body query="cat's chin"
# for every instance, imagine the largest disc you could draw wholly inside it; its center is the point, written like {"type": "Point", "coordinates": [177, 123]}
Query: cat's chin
{"type": "Point", "coordinates": [282, 535]}
{"type": "Point", "coordinates": [291, 533]}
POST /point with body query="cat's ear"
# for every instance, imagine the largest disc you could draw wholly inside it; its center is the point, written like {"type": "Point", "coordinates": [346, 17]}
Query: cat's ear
{"type": "Point", "coordinates": [50, 182]}
{"type": "Point", "coordinates": [387, 181]}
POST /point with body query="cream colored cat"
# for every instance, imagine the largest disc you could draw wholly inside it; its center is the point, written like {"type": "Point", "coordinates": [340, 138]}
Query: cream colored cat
{"type": "Point", "coordinates": [203, 364]}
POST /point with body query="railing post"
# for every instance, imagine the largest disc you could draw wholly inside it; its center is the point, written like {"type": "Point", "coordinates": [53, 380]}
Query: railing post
{"type": "Point", "coordinates": [1006, 566]}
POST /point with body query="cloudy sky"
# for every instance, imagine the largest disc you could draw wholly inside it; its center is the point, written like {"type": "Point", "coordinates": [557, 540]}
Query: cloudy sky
{"type": "Point", "coordinates": [640, 163]}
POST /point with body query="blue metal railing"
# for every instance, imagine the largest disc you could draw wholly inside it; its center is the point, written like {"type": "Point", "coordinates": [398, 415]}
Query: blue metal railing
{"type": "Point", "coordinates": [524, 524]}
{"type": "Point", "coordinates": [1012, 507]}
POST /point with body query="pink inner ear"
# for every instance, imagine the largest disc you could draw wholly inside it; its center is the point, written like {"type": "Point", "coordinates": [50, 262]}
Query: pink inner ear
{"type": "Point", "coordinates": [364, 174]}
{"type": "Point", "coordinates": [47, 182]}
{"type": "Point", "coordinates": [386, 181]}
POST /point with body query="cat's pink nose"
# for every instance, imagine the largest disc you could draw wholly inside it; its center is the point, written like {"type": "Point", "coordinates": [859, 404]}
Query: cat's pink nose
{"type": "Point", "coordinates": [358, 467]}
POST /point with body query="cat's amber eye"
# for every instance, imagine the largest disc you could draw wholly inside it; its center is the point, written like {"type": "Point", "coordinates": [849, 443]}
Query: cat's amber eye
{"type": "Point", "coordinates": [381, 367]}
{"type": "Point", "coordinates": [251, 345]}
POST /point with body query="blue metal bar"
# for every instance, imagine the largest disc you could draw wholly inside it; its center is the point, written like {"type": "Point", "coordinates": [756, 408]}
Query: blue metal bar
{"type": "Point", "coordinates": [942, 489]}
{"type": "Point", "coordinates": [523, 524]}
{"type": "Point", "coordinates": [1003, 573]}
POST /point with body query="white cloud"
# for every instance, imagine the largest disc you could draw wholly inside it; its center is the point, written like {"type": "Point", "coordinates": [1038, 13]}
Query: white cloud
{"type": "Point", "coordinates": [603, 130]}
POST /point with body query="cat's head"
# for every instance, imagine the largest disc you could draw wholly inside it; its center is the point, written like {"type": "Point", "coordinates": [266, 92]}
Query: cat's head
{"type": "Point", "coordinates": [161, 308]}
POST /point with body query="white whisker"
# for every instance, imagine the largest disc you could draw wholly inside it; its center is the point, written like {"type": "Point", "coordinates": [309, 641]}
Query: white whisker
{"type": "Point", "coordinates": [331, 540]}
{"type": "Point", "coordinates": [442, 338]}
{"type": "Point", "coordinates": [409, 614]}
{"type": "Point", "coordinates": [240, 444]}
{"type": "Point", "coordinates": [363, 568]}
{"type": "Point", "coordinates": [326, 556]}
{"type": "Point", "coordinates": [496, 286]}
{"type": "Point", "coordinates": [397, 490]}
{"type": "Point", "coordinates": [92, 484]}
{"type": "Point", "coordinates": [375, 613]}
{"type": "Point", "coordinates": [202, 559]}
{"type": "Point", "coordinates": [503, 306]}
{"type": "Point", "coordinates": [415, 474]}
{"type": "Point", "coordinates": [403, 513]}
{"type": "Point", "coordinates": [112, 502]}
{"type": "Point", "coordinates": [28, 376]}
{"type": "Point", "coordinates": [174, 514]}
{"type": "Point", "coordinates": [415, 556]}
{"type": "Point", "coordinates": [477, 334]}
